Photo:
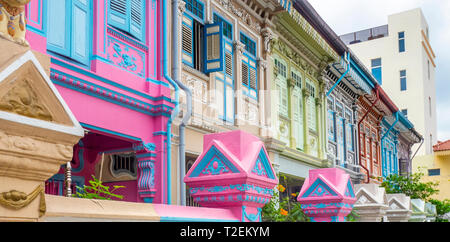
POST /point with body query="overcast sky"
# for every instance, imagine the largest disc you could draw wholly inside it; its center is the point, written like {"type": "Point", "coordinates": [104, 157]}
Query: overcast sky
{"type": "Point", "coordinates": [346, 16]}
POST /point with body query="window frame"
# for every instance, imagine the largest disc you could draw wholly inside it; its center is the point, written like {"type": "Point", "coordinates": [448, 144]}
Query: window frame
{"type": "Point", "coordinates": [401, 42]}
{"type": "Point", "coordinates": [126, 28]}
{"type": "Point", "coordinates": [403, 81]}
{"type": "Point", "coordinates": [251, 58]}
{"type": "Point", "coordinates": [68, 51]}
{"type": "Point", "coordinates": [376, 67]}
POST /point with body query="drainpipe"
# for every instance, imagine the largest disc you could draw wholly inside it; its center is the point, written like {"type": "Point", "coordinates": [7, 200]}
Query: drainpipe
{"type": "Point", "coordinates": [359, 134]}
{"type": "Point", "coordinates": [176, 109]}
{"type": "Point", "coordinates": [176, 74]}
{"type": "Point", "coordinates": [386, 134]}
{"type": "Point", "coordinates": [347, 60]}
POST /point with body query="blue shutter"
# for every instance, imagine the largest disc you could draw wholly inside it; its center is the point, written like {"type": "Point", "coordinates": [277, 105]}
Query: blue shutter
{"type": "Point", "coordinates": [137, 18]}
{"type": "Point", "coordinates": [213, 54]}
{"type": "Point", "coordinates": [118, 14]}
{"type": "Point", "coordinates": [58, 36]}
{"type": "Point", "coordinates": [80, 31]}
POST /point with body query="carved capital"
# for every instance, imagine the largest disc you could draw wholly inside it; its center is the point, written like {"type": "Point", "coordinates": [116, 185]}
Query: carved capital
{"type": "Point", "coordinates": [268, 36]}
{"type": "Point", "coordinates": [262, 63]}
{"type": "Point", "coordinates": [181, 8]}
{"type": "Point", "coordinates": [239, 47]}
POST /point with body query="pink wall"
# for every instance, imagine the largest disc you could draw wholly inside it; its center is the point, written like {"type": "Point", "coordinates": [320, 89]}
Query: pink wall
{"type": "Point", "coordinates": [129, 100]}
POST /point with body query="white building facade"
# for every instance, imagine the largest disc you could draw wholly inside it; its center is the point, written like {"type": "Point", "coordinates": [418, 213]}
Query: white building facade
{"type": "Point", "coordinates": [401, 58]}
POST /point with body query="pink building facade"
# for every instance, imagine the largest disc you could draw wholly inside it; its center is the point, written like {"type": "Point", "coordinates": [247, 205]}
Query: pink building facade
{"type": "Point", "coordinates": [106, 60]}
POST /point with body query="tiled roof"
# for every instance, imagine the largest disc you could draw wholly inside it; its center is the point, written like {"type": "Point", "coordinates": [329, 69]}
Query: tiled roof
{"type": "Point", "coordinates": [442, 146]}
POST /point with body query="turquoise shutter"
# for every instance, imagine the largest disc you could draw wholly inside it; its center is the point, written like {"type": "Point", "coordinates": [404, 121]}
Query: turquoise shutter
{"type": "Point", "coordinates": [213, 54]}
{"type": "Point", "coordinates": [58, 36]}
{"type": "Point", "coordinates": [80, 30]}
{"type": "Point", "coordinates": [118, 14]}
{"type": "Point", "coordinates": [137, 18]}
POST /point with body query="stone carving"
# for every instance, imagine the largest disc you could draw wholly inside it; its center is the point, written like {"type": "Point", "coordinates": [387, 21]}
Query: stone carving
{"type": "Point", "coordinates": [17, 200]}
{"type": "Point", "coordinates": [12, 20]}
{"type": "Point", "coordinates": [22, 99]}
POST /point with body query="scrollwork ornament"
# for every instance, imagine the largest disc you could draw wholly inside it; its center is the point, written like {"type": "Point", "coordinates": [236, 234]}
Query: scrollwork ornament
{"type": "Point", "coordinates": [17, 200]}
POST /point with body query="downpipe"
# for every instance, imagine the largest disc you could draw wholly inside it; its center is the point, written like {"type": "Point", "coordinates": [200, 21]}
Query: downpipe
{"type": "Point", "coordinates": [347, 60]}
{"type": "Point", "coordinates": [177, 76]}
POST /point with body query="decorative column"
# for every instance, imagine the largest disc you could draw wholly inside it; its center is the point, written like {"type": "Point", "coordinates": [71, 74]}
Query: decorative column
{"type": "Point", "coordinates": [327, 195]}
{"type": "Point", "coordinates": [371, 202]}
{"type": "Point", "coordinates": [37, 132]}
{"type": "Point", "coordinates": [146, 157]}
{"type": "Point", "coordinates": [233, 172]}
{"type": "Point", "coordinates": [399, 207]}
{"type": "Point", "coordinates": [239, 49]}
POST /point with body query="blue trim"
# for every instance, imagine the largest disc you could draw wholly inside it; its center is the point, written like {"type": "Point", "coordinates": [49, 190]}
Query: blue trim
{"type": "Point", "coordinates": [88, 126]}
{"type": "Point", "coordinates": [205, 48]}
{"type": "Point", "coordinates": [362, 74]}
{"type": "Point", "coordinates": [342, 76]}
{"type": "Point", "coordinates": [196, 17]}
{"type": "Point", "coordinates": [207, 159]}
{"type": "Point", "coordinates": [191, 27]}
{"type": "Point", "coordinates": [107, 81]}
{"type": "Point", "coordinates": [252, 217]}
{"type": "Point", "coordinates": [318, 182]}
{"type": "Point", "coordinates": [42, 21]}
{"type": "Point", "coordinates": [129, 106]}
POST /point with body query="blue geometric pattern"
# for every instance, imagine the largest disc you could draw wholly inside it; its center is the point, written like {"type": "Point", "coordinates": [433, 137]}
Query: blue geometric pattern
{"type": "Point", "coordinates": [319, 189]}
{"type": "Point", "coordinates": [214, 163]}
{"type": "Point", "coordinates": [349, 191]}
{"type": "Point", "coordinates": [262, 166]}
{"type": "Point", "coordinates": [215, 167]}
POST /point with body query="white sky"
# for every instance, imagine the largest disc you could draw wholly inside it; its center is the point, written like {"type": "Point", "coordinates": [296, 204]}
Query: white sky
{"type": "Point", "coordinates": [346, 16]}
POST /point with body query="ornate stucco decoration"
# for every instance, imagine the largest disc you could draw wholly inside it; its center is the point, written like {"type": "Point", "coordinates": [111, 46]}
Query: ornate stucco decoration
{"type": "Point", "coordinates": [268, 36]}
{"type": "Point", "coordinates": [17, 200]}
{"type": "Point", "coordinates": [12, 20]}
{"type": "Point", "coordinates": [23, 100]}
{"type": "Point", "coordinates": [242, 14]}
{"type": "Point", "coordinates": [283, 48]}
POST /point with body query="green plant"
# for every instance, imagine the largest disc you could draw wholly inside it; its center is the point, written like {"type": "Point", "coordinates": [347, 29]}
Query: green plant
{"type": "Point", "coordinates": [285, 210]}
{"type": "Point", "coordinates": [442, 207]}
{"type": "Point", "coordinates": [411, 186]}
{"type": "Point", "coordinates": [97, 190]}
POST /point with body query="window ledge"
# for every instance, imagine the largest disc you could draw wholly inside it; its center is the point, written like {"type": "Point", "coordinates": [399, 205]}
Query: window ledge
{"type": "Point", "coordinates": [195, 72]}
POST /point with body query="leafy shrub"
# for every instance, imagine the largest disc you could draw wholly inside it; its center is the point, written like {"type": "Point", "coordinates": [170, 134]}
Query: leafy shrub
{"type": "Point", "coordinates": [97, 190]}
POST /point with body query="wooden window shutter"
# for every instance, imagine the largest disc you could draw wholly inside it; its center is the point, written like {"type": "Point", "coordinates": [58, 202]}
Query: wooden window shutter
{"type": "Point", "coordinates": [213, 55]}
{"type": "Point", "coordinates": [187, 39]}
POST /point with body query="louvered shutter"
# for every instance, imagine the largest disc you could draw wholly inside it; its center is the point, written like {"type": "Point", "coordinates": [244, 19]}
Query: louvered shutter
{"type": "Point", "coordinates": [245, 73]}
{"type": "Point", "coordinates": [119, 14]}
{"type": "Point", "coordinates": [187, 38]}
{"type": "Point", "coordinates": [213, 55]}
{"type": "Point", "coordinates": [58, 36]}
{"type": "Point", "coordinates": [137, 18]}
{"type": "Point", "coordinates": [80, 31]}
{"type": "Point", "coordinates": [297, 117]}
